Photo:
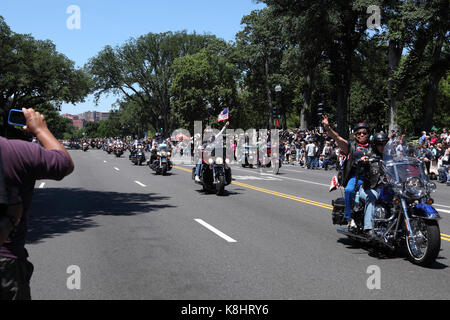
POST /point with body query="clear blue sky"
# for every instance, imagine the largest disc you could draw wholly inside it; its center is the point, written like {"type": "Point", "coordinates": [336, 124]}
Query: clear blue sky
{"type": "Point", "coordinates": [112, 22]}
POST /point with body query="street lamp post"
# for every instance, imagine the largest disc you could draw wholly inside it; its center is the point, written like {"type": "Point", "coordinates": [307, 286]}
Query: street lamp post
{"type": "Point", "coordinates": [277, 111]}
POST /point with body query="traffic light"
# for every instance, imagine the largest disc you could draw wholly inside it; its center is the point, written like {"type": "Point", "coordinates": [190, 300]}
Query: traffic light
{"type": "Point", "coordinates": [276, 113]}
{"type": "Point", "coordinates": [320, 109]}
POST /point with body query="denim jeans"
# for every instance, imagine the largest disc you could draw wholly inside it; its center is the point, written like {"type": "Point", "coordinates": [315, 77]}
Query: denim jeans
{"type": "Point", "coordinates": [299, 154]}
{"type": "Point", "coordinates": [370, 196]}
{"type": "Point", "coordinates": [444, 175]}
{"type": "Point", "coordinates": [198, 167]}
{"type": "Point", "coordinates": [349, 195]}
{"type": "Point", "coordinates": [316, 162]}
{"type": "Point", "coordinates": [309, 161]}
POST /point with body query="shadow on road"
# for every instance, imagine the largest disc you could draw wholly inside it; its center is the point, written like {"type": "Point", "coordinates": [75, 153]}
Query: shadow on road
{"type": "Point", "coordinates": [56, 211]}
{"type": "Point", "coordinates": [385, 253]}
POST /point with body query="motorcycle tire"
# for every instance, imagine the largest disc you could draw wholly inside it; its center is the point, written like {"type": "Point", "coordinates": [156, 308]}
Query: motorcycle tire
{"type": "Point", "coordinates": [220, 187]}
{"type": "Point", "coordinates": [433, 245]}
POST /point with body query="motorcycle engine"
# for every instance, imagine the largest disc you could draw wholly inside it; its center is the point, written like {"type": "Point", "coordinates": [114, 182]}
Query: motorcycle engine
{"type": "Point", "coordinates": [380, 213]}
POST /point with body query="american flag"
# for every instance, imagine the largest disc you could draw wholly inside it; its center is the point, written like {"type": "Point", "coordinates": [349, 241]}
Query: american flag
{"type": "Point", "coordinates": [334, 184]}
{"type": "Point", "coordinates": [223, 115]}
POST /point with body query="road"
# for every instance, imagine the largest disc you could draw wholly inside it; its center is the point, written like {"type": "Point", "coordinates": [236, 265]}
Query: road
{"type": "Point", "coordinates": [135, 235]}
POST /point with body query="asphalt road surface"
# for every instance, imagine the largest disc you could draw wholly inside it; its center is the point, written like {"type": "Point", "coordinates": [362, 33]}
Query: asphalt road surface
{"type": "Point", "coordinates": [131, 234]}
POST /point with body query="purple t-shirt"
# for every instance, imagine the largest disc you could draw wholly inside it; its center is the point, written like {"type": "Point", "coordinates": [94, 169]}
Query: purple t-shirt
{"type": "Point", "coordinates": [24, 163]}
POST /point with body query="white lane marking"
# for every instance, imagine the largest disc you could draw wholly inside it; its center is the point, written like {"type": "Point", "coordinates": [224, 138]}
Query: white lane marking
{"type": "Point", "coordinates": [255, 178]}
{"type": "Point", "coordinates": [104, 161]}
{"type": "Point", "coordinates": [141, 184]}
{"type": "Point", "coordinates": [442, 210]}
{"type": "Point", "coordinates": [287, 178]}
{"type": "Point", "coordinates": [216, 231]}
{"type": "Point", "coordinates": [296, 171]}
{"type": "Point", "coordinates": [441, 205]}
{"type": "Point", "coordinates": [117, 169]}
{"type": "Point", "coordinates": [41, 185]}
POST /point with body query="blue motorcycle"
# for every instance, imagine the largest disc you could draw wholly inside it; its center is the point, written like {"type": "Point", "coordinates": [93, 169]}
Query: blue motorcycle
{"type": "Point", "coordinates": [404, 215]}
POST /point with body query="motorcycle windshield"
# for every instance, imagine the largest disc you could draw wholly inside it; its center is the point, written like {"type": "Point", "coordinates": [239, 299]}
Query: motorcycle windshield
{"type": "Point", "coordinates": [162, 147]}
{"type": "Point", "coordinates": [401, 165]}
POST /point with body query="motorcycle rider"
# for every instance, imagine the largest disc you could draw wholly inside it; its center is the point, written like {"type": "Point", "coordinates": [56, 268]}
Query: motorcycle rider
{"type": "Point", "coordinates": [358, 151]}
{"type": "Point", "coordinates": [371, 192]}
{"type": "Point", "coordinates": [209, 145]}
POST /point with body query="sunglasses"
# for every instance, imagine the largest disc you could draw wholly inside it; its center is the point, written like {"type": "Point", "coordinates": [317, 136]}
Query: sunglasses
{"type": "Point", "coordinates": [361, 133]}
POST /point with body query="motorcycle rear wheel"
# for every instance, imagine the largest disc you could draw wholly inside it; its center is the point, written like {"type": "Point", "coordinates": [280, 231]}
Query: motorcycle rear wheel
{"type": "Point", "coordinates": [220, 187]}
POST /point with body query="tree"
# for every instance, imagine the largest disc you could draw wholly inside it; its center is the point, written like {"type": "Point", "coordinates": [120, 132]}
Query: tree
{"type": "Point", "coordinates": [141, 71]}
{"type": "Point", "coordinates": [332, 29]}
{"type": "Point", "coordinates": [204, 84]}
{"type": "Point", "coordinates": [33, 73]}
{"type": "Point", "coordinates": [260, 47]}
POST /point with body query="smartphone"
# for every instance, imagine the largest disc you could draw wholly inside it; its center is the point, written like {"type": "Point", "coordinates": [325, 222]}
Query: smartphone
{"type": "Point", "coordinates": [17, 118]}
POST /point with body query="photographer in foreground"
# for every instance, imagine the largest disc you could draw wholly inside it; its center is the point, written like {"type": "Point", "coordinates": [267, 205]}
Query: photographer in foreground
{"type": "Point", "coordinates": [23, 163]}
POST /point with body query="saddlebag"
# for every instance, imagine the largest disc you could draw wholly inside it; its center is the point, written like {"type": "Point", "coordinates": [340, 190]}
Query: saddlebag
{"type": "Point", "coordinates": [338, 211]}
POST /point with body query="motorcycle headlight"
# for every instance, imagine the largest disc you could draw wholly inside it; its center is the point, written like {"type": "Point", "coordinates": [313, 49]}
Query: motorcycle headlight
{"type": "Point", "coordinates": [414, 188]}
{"type": "Point", "coordinates": [227, 161]}
{"type": "Point", "coordinates": [163, 153]}
{"type": "Point", "coordinates": [431, 186]}
{"type": "Point", "coordinates": [219, 160]}
{"type": "Point", "coordinates": [211, 161]}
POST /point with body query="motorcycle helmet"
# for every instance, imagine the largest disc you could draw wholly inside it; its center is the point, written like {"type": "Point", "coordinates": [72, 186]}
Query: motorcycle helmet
{"type": "Point", "coordinates": [380, 138]}
{"type": "Point", "coordinates": [361, 125]}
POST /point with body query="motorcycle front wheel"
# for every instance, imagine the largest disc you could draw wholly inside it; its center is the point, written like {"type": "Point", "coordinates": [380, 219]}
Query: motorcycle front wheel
{"type": "Point", "coordinates": [424, 247]}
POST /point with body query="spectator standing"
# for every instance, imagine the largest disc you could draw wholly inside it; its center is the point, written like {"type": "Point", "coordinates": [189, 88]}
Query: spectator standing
{"type": "Point", "coordinates": [24, 163]}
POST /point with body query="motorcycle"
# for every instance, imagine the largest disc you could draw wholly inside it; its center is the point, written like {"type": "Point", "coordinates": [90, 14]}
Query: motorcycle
{"type": "Point", "coordinates": [248, 157]}
{"type": "Point", "coordinates": [137, 156]}
{"type": "Point", "coordinates": [404, 215]}
{"type": "Point", "coordinates": [85, 146]}
{"type": "Point", "coordinates": [162, 164]}
{"type": "Point", "coordinates": [274, 162]}
{"type": "Point", "coordinates": [118, 151]}
{"type": "Point", "coordinates": [215, 174]}
{"type": "Point", "coordinates": [109, 148]}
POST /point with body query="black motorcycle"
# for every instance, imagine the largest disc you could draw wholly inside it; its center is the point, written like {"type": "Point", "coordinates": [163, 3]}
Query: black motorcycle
{"type": "Point", "coordinates": [137, 155]}
{"type": "Point", "coordinates": [160, 161]}
{"type": "Point", "coordinates": [118, 151]}
{"type": "Point", "coordinates": [215, 175]}
{"type": "Point", "coordinates": [248, 158]}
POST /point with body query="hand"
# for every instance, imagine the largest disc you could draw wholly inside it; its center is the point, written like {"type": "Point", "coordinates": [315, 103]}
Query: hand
{"type": "Point", "coordinates": [35, 122]}
{"type": "Point", "coordinates": [227, 124]}
{"type": "Point", "coordinates": [365, 159]}
{"type": "Point", "coordinates": [325, 123]}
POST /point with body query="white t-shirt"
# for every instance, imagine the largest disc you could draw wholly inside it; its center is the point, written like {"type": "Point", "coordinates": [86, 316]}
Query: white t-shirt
{"type": "Point", "coordinates": [311, 150]}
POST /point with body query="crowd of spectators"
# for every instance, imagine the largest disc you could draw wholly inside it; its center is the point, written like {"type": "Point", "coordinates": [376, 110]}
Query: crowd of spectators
{"type": "Point", "coordinates": [313, 150]}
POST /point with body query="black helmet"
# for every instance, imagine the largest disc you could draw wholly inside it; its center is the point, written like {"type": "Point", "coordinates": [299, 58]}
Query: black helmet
{"type": "Point", "coordinates": [361, 125]}
{"type": "Point", "coordinates": [380, 138]}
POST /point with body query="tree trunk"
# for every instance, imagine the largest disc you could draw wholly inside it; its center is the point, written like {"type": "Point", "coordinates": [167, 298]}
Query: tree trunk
{"type": "Point", "coordinates": [269, 95]}
{"type": "Point", "coordinates": [437, 71]}
{"type": "Point", "coordinates": [341, 111]}
{"type": "Point", "coordinates": [306, 100]}
{"type": "Point", "coordinates": [394, 56]}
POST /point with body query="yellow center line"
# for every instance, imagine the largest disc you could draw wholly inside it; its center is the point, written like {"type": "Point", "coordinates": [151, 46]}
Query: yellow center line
{"type": "Point", "coordinates": [444, 236]}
